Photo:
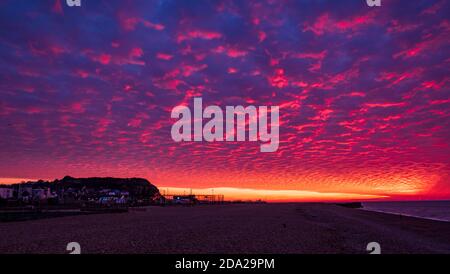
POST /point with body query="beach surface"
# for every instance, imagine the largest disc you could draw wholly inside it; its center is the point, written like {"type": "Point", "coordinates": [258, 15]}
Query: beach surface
{"type": "Point", "coordinates": [236, 228]}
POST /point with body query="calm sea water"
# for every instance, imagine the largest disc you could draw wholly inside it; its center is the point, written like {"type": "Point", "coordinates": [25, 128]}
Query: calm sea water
{"type": "Point", "coordinates": [435, 210]}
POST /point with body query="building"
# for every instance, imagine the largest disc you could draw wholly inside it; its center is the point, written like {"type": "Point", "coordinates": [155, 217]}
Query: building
{"type": "Point", "coordinates": [192, 199]}
{"type": "Point", "coordinates": [41, 193]}
{"type": "Point", "coordinates": [185, 199]}
{"type": "Point", "coordinates": [6, 193]}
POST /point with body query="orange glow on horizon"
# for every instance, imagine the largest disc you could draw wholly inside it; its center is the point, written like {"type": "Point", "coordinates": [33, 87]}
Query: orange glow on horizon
{"type": "Point", "coordinates": [8, 181]}
{"type": "Point", "coordinates": [297, 187]}
{"type": "Point", "coordinates": [246, 194]}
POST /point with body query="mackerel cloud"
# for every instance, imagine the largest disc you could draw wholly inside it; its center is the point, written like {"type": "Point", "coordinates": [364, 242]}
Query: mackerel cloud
{"type": "Point", "coordinates": [363, 92]}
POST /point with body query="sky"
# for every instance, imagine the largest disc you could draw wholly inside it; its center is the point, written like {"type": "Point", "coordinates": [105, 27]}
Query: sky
{"type": "Point", "coordinates": [363, 94]}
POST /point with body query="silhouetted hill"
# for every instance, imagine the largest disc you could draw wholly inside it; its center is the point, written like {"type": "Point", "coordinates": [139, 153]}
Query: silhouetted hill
{"type": "Point", "coordinates": [137, 187]}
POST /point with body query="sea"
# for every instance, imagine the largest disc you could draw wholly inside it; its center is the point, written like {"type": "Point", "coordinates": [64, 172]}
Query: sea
{"type": "Point", "coordinates": [434, 210]}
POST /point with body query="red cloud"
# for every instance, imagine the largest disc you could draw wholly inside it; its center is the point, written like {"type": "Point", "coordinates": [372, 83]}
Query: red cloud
{"type": "Point", "coordinates": [103, 59]}
{"type": "Point", "coordinates": [325, 23]}
{"type": "Point", "coordinates": [312, 55]}
{"type": "Point", "coordinates": [384, 105]}
{"type": "Point", "coordinates": [164, 56]}
{"type": "Point", "coordinates": [102, 126]}
{"type": "Point", "coordinates": [130, 23]}
{"type": "Point", "coordinates": [356, 22]}
{"type": "Point", "coordinates": [136, 52]}
{"type": "Point", "coordinates": [199, 34]}
{"type": "Point", "coordinates": [230, 52]}
{"type": "Point", "coordinates": [82, 74]}
{"type": "Point", "coordinates": [152, 25]}
{"type": "Point", "coordinates": [234, 53]}
{"type": "Point", "coordinates": [232, 70]}
{"type": "Point", "coordinates": [262, 36]}
{"type": "Point", "coordinates": [279, 80]}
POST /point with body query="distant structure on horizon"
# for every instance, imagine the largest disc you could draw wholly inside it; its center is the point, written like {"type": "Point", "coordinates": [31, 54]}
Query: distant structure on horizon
{"type": "Point", "coordinates": [192, 199]}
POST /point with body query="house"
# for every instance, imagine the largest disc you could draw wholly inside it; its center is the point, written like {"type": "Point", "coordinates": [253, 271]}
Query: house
{"type": "Point", "coordinates": [25, 193]}
{"type": "Point", "coordinates": [6, 193]}
{"type": "Point", "coordinates": [41, 193]}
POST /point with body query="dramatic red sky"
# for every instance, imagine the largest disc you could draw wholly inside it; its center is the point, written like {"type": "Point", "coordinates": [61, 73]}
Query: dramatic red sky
{"type": "Point", "coordinates": [363, 94]}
